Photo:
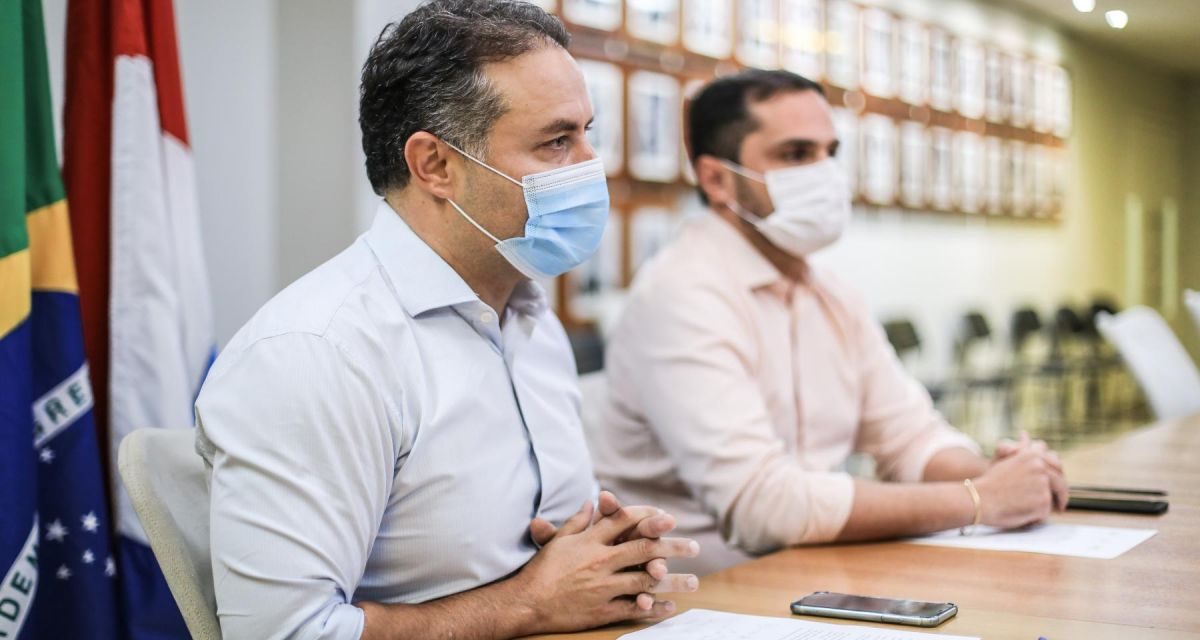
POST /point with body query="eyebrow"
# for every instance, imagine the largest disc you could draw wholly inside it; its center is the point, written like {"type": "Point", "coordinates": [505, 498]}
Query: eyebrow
{"type": "Point", "coordinates": [563, 124]}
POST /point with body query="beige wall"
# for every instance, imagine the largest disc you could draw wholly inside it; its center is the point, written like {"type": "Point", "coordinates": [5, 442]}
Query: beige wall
{"type": "Point", "coordinates": [1189, 224]}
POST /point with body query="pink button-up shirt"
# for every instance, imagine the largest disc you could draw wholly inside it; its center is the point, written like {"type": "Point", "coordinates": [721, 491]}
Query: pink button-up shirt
{"type": "Point", "coordinates": [736, 395]}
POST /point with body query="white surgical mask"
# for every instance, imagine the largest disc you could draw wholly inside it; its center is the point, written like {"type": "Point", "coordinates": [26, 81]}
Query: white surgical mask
{"type": "Point", "coordinates": [812, 205]}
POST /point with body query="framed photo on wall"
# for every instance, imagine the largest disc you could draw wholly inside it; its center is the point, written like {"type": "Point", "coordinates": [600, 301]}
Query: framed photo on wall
{"type": "Point", "coordinates": [996, 99]}
{"type": "Point", "coordinates": [879, 159]}
{"type": "Point", "coordinates": [1019, 199]}
{"type": "Point", "coordinates": [914, 164]}
{"type": "Point", "coordinates": [914, 63]}
{"type": "Point", "coordinates": [654, 122]}
{"type": "Point", "coordinates": [993, 175]}
{"type": "Point", "coordinates": [653, 20]}
{"type": "Point", "coordinates": [758, 33]}
{"type": "Point", "coordinates": [845, 124]}
{"type": "Point", "coordinates": [879, 52]}
{"type": "Point", "coordinates": [971, 85]}
{"type": "Point", "coordinates": [803, 38]}
{"type": "Point", "coordinates": [968, 171]}
{"type": "Point", "coordinates": [708, 27]}
{"type": "Point", "coordinates": [941, 70]}
{"type": "Point", "coordinates": [597, 14]}
{"type": "Point", "coordinates": [606, 88]}
{"type": "Point", "coordinates": [1018, 91]}
{"type": "Point", "coordinates": [1043, 98]}
{"type": "Point", "coordinates": [603, 272]}
{"type": "Point", "coordinates": [650, 229]}
{"type": "Point", "coordinates": [941, 172]}
{"type": "Point", "coordinates": [1061, 88]}
{"type": "Point", "coordinates": [841, 43]}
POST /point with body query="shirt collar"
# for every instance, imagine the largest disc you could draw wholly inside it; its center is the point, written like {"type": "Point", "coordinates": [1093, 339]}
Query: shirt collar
{"type": "Point", "coordinates": [743, 259]}
{"type": "Point", "coordinates": [422, 279]}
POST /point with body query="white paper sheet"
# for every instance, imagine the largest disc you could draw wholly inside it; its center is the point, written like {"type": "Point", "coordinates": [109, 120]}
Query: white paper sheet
{"type": "Point", "coordinates": [702, 624]}
{"type": "Point", "coordinates": [1054, 539]}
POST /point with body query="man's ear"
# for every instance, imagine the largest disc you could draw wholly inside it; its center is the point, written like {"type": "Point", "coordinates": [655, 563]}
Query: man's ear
{"type": "Point", "coordinates": [714, 179]}
{"type": "Point", "coordinates": [432, 164]}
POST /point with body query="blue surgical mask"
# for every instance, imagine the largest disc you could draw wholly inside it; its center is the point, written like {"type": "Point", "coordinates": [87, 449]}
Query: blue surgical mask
{"type": "Point", "coordinates": [568, 208]}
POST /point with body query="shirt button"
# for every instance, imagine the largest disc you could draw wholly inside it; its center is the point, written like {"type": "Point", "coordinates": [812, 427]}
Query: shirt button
{"type": "Point", "coordinates": [487, 317]}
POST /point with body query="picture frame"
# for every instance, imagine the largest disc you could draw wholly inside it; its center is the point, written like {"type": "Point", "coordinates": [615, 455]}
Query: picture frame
{"type": "Point", "coordinates": [842, 43]}
{"type": "Point", "coordinates": [650, 229]}
{"type": "Point", "coordinates": [941, 70]}
{"type": "Point", "coordinates": [654, 126]}
{"type": "Point", "coordinates": [970, 84]}
{"type": "Point", "coordinates": [603, 273]}
{"type": "Point", "coordinates": [606, 88]}
{"type": "Point", "coordinates": [913, 81]}
{"type": "Point", "coordinates": [1019, 109]}
{"type": "Point", "coordinates": [708, 27]}
{"type": "Point", "coordinates": [596, 14]}
{"type": "Point", "coordinates": [846, 125]}
{"type": "Point", "coordinates": [914, 164]}
{"type": "Point", "coordinates": [1043, 98]}
{"type": "Point", "coordinates": [941, 172]}
{"type": "Point", "coordinates": [1062, 91]}
{"type": "Point", "coordinates": [653, 20]}
{"type": "Point", "coordinates": [996, 78]}
{"type": "Point", "coordinates": [993, 179]}
{"type": "Point", "coordinates": [880, 173]}
{"type": "Point", "coordinates": [758, 33]}
{"type": "Point", "coordinates": [803, 37]}
{"type": "Point", "coordinates": [968, 171]}
{"type": "Point", "coordinates": [879, 53]}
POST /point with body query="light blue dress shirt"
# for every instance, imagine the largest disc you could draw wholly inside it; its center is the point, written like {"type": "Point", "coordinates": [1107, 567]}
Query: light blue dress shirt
{"type": "Point", "coordinates": [376, 433]}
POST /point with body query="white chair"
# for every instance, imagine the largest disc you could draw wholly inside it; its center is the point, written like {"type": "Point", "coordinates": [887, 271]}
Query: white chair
{"type": "Point", "coordinates": [1157, 360]}
{"type": "Point", "coordinates": [166, 481]}
{"type": "Point", "coordinates": [1191, 299]}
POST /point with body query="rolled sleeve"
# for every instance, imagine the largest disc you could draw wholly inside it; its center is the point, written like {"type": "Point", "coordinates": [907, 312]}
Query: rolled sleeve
{"type": "Point", "coordinates": [900, 427]}
{"type": "Point", "coordinates": [302, 461]}
{"type": "Point", "coordinates": [693, 361]}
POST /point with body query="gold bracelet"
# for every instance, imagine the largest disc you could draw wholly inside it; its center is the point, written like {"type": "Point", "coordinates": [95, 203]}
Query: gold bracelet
{"type": "Point", "coordinates": [963, 531]}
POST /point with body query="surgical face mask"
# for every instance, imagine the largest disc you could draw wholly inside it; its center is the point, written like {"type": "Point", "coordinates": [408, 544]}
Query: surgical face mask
{"type": "Point", "coordinates": [812, 205]}
{"type": "Point", "coordinates": [568, 208]}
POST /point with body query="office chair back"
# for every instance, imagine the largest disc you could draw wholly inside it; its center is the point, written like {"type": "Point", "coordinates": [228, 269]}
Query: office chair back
{"type": "Point", "coordinates": [166, 481]}
{"type": "Point", "coordinates": [1157, 360]}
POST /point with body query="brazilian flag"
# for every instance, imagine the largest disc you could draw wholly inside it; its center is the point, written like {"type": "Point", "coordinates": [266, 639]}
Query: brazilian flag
{"type": "Point", "coordinates": [55, 547]}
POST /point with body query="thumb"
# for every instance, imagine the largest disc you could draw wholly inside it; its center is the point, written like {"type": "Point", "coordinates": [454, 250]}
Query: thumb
{"type": "Point", "coordinates": [542, 531]}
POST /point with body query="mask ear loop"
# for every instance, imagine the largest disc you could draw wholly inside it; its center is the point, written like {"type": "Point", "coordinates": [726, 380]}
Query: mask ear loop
{"type": "Point", "coordinates": [735, 206]}
{"type": "Point", "coordinates": [485, 165]}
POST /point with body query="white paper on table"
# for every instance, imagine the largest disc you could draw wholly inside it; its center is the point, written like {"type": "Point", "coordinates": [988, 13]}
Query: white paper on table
{"type": "Point", "coordinates": [1078, 540]}
{"type": "Point", "coordinates": [702, 624]}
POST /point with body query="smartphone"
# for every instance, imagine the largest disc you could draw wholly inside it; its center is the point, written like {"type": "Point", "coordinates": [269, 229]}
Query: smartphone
{"type": "Point", "coordinates": [1095, 503]}
{"type": "Point", "coordinates": [841, 605]}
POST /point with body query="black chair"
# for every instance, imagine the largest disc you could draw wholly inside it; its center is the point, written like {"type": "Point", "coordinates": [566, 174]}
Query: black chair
{"type": "Point", "coordinates": [975, 386]}
{"type": "Point", "coordinates": [903, 336]}
{"type": "Point", "coordinates": [588, 346]}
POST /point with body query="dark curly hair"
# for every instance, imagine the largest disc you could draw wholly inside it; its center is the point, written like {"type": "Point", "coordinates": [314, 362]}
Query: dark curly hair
{"type": "Point", "coordinates": [425, 73]}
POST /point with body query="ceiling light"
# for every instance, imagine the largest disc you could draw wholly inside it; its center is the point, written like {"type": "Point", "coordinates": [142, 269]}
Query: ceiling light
{"type": "Point", "coordinates": [1084, 6]}
{"type": "Point", "coordinates": [1116, 19]}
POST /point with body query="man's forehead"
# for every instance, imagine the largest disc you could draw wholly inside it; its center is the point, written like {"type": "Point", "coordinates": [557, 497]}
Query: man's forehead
{"type": "Point", "coordinates": [794, 115]}
{"type": "Point", "coordinates": [541, 86]}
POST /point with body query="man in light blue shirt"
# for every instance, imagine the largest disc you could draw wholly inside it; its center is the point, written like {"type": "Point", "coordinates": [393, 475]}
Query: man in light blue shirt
{"type": "Point", "coordinates": [383, 434]}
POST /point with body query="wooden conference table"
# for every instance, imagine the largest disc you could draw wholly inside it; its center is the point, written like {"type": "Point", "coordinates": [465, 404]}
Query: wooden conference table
{"type": "Point", "coordinates": [1150, 592]}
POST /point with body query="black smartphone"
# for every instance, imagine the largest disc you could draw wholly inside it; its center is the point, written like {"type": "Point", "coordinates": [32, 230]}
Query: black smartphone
{"type": "Point", "coordinates": [868, 609]}
{"type": "Point", "coordinates": [1119, 505]}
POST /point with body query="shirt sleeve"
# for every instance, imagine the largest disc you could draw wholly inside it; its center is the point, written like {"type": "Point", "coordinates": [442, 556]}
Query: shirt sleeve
{"type": "Point", "coordinates": [900, 428]}
{"type": "Point", "coordinates": [692, 358]}
{"type": "Point", "coordinates": [303, 456]}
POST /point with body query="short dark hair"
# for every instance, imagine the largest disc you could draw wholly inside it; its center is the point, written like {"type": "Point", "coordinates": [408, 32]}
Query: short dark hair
{"type": "Point", "coordinates": [425, 73]}
{"type": "Point", "coordinates": [719, 116]}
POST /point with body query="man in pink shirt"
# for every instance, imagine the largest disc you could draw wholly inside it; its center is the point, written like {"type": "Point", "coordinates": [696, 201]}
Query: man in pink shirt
{"type": "Point", "coordinates": [741, 376]}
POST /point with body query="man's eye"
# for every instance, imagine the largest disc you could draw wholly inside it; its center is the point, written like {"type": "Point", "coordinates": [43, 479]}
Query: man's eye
{"type": "Point", "coordinates": [558, 142]}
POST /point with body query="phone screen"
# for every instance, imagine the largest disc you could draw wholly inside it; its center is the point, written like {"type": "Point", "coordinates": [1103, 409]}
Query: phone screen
{"type": "Point", "coordinates": [875, 605]}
